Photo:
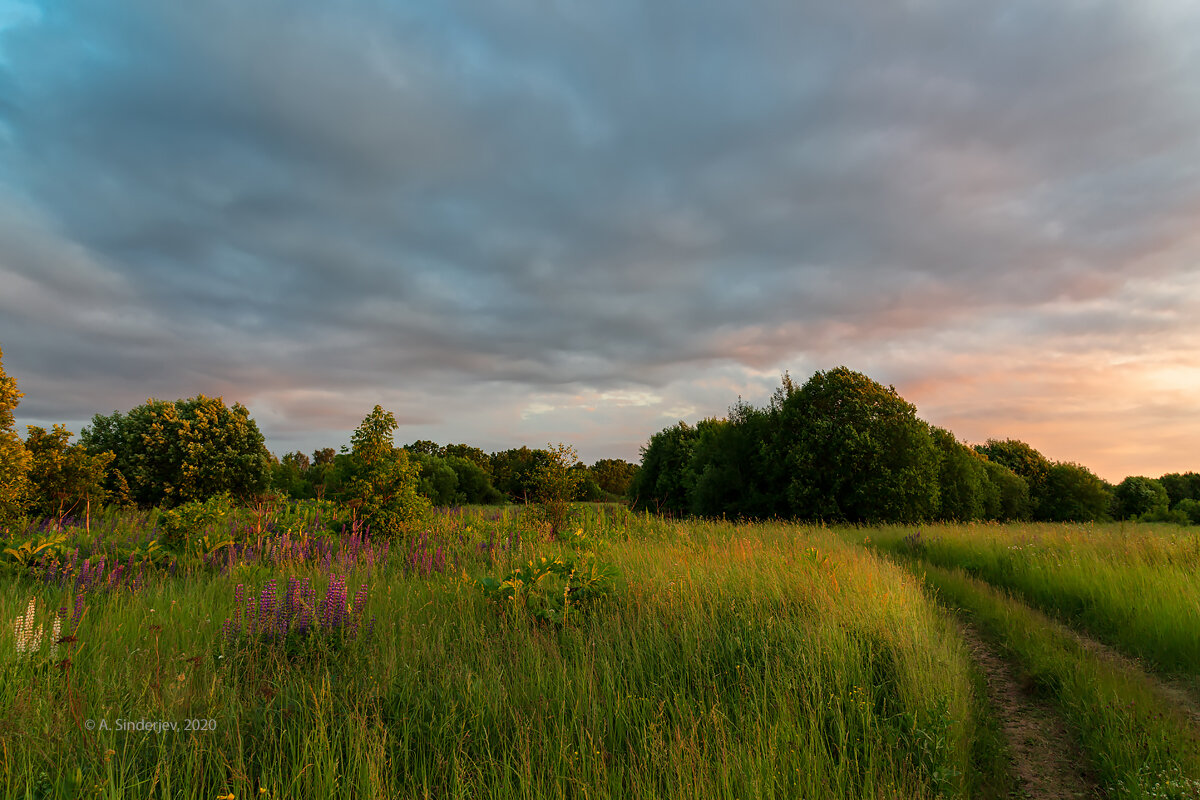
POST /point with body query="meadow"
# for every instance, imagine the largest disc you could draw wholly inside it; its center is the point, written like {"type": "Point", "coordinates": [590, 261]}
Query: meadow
{"type": "Point", "coordinates": [479, 656]}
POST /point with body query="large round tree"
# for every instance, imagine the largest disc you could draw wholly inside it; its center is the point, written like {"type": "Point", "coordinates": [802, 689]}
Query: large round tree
{"type": "Point", "coordinates": [856, 451]}
{"type": "Point", "coordinates": [170, 452]}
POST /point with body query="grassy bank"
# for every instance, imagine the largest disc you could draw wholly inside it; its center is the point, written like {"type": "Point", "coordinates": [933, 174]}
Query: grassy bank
{"type": "Point", "coordinates": [1135, 587]}
{"type": "Point", "coordinates": [1139, 743]}
{"type": "Point", "coordinates": [703, 660]}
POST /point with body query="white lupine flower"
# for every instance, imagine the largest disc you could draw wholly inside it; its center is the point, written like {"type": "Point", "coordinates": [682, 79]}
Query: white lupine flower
{"type": "Point", "coordinates": [29, 637]}
{"type": "Point", "coordinates": [56, 632]}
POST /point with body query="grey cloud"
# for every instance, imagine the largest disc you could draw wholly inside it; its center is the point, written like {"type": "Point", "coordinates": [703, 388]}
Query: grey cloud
{"type": "Point", "coordinates": [360, 196]}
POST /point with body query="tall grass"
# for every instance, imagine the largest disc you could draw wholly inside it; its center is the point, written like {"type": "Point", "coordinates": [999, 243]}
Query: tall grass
{"type": "Point", "coordinates": [727, 661]}
{"type": "Point", "coordinates": [1139, 744]}
{"type": "Point", "coordinates": [1134, 586]}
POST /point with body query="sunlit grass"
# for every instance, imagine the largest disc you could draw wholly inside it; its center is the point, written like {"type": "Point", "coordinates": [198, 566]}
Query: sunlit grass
{"type": "Point", "coordinates": [1140, 745]}
{"type": "Point", "coordinates": [727, 661]}
{"type": "Point", "coordinates": [1134, 586]}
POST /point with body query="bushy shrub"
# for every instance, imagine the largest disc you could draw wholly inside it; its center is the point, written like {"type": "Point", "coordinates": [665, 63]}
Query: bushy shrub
{"type": "Point", "coordinates": [1190, 509]}
{"type": "Point", "coordinates": [552, 589]}
{"type": "Point", "coordinates": [199, 526]}
{"type": "Point", "coordinates": [1137, 495]}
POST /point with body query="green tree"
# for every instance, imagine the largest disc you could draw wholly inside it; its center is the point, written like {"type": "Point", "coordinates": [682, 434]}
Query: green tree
{"type": "Point", "coordinates": [557, 483]}
{"type": "Point", "coordinates": [472, 454]}
{"type": "Point", "coordinates": [1075, 494]}
{"type": "Point", "coordinates": [1137, 495]}
{"type": "Point", "coordinates": [725, 475]}
{"type": "Point", "coordinates": [963, 485]}
{"type": "Point", "coordinates": [514, 472]}
{"type": "Point", "coordinates": [321, 474]}
{"type": "Point", "coordinates": [1025, 461]}
{"type": "Point", "coordinates": [173, 452]}
{"type": "Point", "coordinates": [289, 476]}
{"type": "Point", "coordinates": [661, 483]}
{"type": "Point", "coordinates": [14, 458]}
{"type": "Point", "coordinates": [1006, 495]}
{"type": "Point", "coordinates": [65, 478]}
{"type": "Point", "coordinates": [474, 483]}
{"type": "Point", "coordinates": [856, 451]}
{"type": "Point", "coordinates": [1190, 509]}
{"type": "Point", "coordinates": [424, 447]}
{"type": "Point", "coordinates": [439, 481]}
{"type": "Point", "coordinates": [1185, 486]}
{"type": "Point", "coordinates": [613, 475]}
{"type": "Point", "coordinates": [384, 482]}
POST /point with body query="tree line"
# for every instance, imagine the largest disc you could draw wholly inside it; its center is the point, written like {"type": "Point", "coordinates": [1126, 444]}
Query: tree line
{"type": "Point", "coordinates": [841, 448]}
{"type": "Point", "coordinates": [169, 453]}
{"type": "Point", "coordinates": [844, 448]}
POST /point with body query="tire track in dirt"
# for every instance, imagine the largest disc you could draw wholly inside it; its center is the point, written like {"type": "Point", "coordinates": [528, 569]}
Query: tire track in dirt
{"type": "Point", "coordinates": [1044, 757]}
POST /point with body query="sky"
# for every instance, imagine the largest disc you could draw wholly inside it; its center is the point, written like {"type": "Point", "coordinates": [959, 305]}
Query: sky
{"type": "Point", "coordinates": [530, 221]}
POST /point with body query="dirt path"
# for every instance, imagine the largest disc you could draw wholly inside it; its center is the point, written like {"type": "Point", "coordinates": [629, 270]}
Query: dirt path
{"type": "Point", "coordinates": [1045, 760]}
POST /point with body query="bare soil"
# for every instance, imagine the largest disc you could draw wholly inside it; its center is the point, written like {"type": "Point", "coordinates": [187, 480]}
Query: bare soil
{"type": "Point", "coordinates": [1046, 761]}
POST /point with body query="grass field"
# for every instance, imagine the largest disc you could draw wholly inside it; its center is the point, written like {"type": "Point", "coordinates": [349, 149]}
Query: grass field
{"type": "Point", "coordinates": [638, 658]}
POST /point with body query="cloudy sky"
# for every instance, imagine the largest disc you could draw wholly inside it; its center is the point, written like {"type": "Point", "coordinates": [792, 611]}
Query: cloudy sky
{"type": "Point", "coordinates": [524, 221]}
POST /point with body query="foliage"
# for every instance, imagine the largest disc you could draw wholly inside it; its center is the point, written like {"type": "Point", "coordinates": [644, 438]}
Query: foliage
{"type": "Point", "coordinates": [1030, 465]}
{"type": "Point", "coordinates": [289, 476]}
{"type": "Point", "coordinates": [384, 482]}
{"type": "Point", "coordinates": [14, 458]}
{"type": "Point", "coordinates": [474, 483]}
{"type": "Point", "coordinates": [33, 550]}
{"type": "Point", "coordinates": [856, 451]}
{"type": "Point", "coordinates": [65, 478]}
{"type": "Point", "coordinates": [725, 474]}
{"type": "Point", "coordinates": [1006, 495]}
{"type": "Point", "coordinates": [1074, 493]}
{"type": "Point", "coordinates": [556, 483]}
{"type": "Point", "coordinates": [514, 472]}
{"type": "Point", "coordinates": [1185, 486]}
{"type": "Point", "coordinates": [1189, 508]}
{"type": "Point", "coordinates": [173, 452]}
{"type": "Point", "coordinates": [1137, 495]}
{"type": "Point", "coordinates": [199, 526]}
{"type": "Point", "coordinates": [660, 484]}
{"type": "Point", "coordinates": [963, 482]}
{"type": "Point", "coordinates": [613, 475]}
{"type": "Point", "coordinates": [450, 451]}
{"type": "Point", "coordinates": [552, 589]}
{"type": "Point", "coordinates": [439, 481]}
{"type": "Point", "coordinates": [453, 480]}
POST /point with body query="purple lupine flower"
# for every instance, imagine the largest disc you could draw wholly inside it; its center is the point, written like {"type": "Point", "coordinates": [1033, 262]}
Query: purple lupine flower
{"type": "Point", "coordinates": [266, 607]}
{"type": "Point", "coordinates": [77, 613]}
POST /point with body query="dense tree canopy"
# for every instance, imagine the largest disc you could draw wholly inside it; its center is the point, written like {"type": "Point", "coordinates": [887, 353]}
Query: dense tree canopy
{"type": "Point", "coordinates": [613, 475]}
{"type": "Point", "coordinates": [964, 487]}
{"type": "Point", "coordinates": [173, 452]}
{"type": "Point", "coordinates": [514, 472]}
{"type": "Point", "coordinates": [1073, 493]}
{"type": "Point", "coordinates": [1026, 462]}
{"type": "Point", "coordinates": [65, 478]}
{"type": "Point", "coordinates": [843, 447]}
{"type": "Point", "coordinates": [660, 485]}
{"type": "Point", "coordinates": [1137, 495]}
{"type": "Point", "coordinates": [1179, 487]}
{"type": "Point", "coordinates": [14, 458]}
{"type": "Point", "coordinates": [857, 452]}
